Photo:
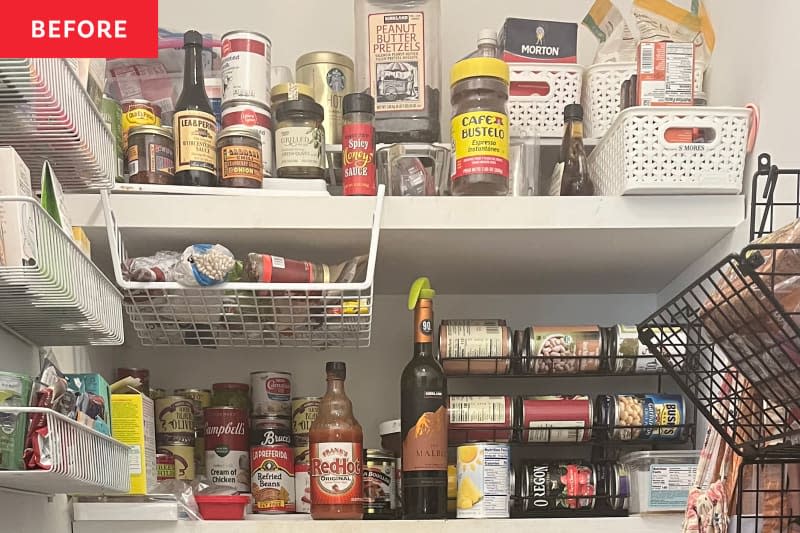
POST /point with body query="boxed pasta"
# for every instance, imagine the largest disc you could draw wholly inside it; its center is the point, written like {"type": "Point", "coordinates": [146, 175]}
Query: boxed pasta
{"type": "Point", "coordinates": [132, 423]}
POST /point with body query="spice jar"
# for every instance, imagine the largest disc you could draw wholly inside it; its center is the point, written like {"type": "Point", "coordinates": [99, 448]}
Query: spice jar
{"type": "Point", "coordinates": [358, 146]}
{"type": "Point", "coordinates": [300, 139]}
{"type": "Point", "coordinates": [150, 155]}
{"type": "Point", "coordinates": [239, 159]}
{"type": "Point", "coordinates": [291, 91]}
{"type": "Point", "coordinates": [479, 127]}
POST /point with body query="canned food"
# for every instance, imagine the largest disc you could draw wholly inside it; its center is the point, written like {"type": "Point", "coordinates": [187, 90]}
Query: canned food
{"type": "Point", "coordinates": [564, 349]}
{"type": "Point", "coordinates": [302, 487]}
{"type": "Point", "coordinates": [182, 457]}
{"type": "Point", "coordinates": [452, 488]}
{"type": "Point", "coordinates": [227, 447]}
{"type": "Point", "coordinates": [187, 439]}
{"type": "Point", "coordinates": [557, 419]}
{"type": "Point", "coordinates": [201, 396]}
{"type": "Point", "coordinates": [613, 490]}
{"type": "Point", "coordinates": [271, 437]}
{"type": "Point", "coordinates": [231, 395]}
{"type": "Point", "coordinates": [272, 480]}
{"type": "Point", "coordinates": [302, 454]}
{"type": "Point", "coordinates": [175, 417]}
{"type": "Point", "coordinates": [138, 112]}
{"type": "Point", "coordinates": [246, 62]}
{"type": "Point", "coordinates": [165, 466]}
{"type": "Point", "coordinates": [304, 412]}
{"type": "Point", "coordinates": [267, 422]}
{"type": "Point", "coordinates": [488, 342]}
{"type": "Point", "coordinates": [142, 374]}
{"type": "Point", "coordinates": [155, 393]}
{"type": "Point", "coordinates": [272, 393]}
{"type": "Point", "coordinates": [643, 416]}
{"type": "Point", "coordinates": [380, 486]}
{"type": "Point", "coordinates": [481, 418]}
{"type": "Point", "coordinates": [627, 354]}
{"type": "Point", "coordinates": [547, 487]}
{"type": "Point", "coordinates": [520, 352]}
{"type": "Point", "coordinates": [483, 481]}
{"type": "Point", "coordinates": [256, 116]}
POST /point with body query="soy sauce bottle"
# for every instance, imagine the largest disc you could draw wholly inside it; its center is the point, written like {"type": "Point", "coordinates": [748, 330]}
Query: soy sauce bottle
{"type": "Point", "coordinates": [194, 125]}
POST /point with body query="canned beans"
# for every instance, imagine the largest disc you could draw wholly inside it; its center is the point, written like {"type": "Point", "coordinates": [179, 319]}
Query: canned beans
{"type": "Point", "coordinates": [655, 417]}
{"type": "Point", "coordinates": [565, 349]}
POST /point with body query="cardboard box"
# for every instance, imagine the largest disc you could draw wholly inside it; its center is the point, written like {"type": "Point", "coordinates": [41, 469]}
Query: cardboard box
{"type": "Point", "coordinates": [93, 406]}
{"type": "Point", "coordinates": [665, 74]}
{"type": "Point", "coordinates": [132, 423]}
{"type": "Point", "coordinates": [17, 224]}
{"type": "Point", "coordinates": [538, 41]}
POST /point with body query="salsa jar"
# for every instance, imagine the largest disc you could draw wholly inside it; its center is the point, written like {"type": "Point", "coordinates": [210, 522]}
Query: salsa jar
{"type": "Point", "coordinates": [300, 140]}
{"type": "Point", "coordinates": [150, 155]}
{"type": "Point", "coordinates": [239, 158]}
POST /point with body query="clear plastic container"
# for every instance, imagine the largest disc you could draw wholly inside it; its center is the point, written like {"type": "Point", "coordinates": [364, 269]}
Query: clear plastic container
{"type": "Point", "coordinates": [660, 480]}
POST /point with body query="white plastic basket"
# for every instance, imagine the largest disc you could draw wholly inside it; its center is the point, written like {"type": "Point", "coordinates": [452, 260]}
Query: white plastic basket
{"type": "Point", "coordinates": [601, 93]}
{"type": "Point", "coordinates": [635, 158]}
{"type": "Point", "coordinates": [544, 113]}
{"type": "Point", "coordinates": [63, 299]}
{"type": "Point", "coordinates": [45, 114]}
{"type": "Point", "coordinates": [310, 315]}
{"type": "Point", "coordinates": [84, 461]}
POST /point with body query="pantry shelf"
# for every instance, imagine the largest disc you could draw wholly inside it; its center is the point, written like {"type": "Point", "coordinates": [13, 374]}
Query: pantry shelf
{"type": "Point", "coordinates": [589, 245]}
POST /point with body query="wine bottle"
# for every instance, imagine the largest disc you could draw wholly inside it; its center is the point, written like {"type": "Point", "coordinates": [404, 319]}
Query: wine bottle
{"type": "Point", "coordinates": [194, 125]}
{"type": "Point", "coordinates": [423, 416]}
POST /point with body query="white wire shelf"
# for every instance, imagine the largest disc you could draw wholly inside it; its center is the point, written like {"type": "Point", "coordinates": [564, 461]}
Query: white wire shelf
{"type": "Point", "coordinates": [84, 461]}
{"type": "Point", "coordinates": [61, 298]}
{"type": "Point", "coordinates": [45, 114]}
{"type": "Point", "coordinates": [247, 314]}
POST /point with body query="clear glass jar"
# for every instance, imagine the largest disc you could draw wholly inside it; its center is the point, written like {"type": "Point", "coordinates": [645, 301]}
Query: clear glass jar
{"type": "Point", "coordinates": [397, 61]}
{"type": "Point", "coordinates": [299, 139]}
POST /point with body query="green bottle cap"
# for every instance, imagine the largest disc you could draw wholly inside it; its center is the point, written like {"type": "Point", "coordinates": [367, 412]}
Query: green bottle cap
{"type": "Point", "coordinates": [420, 290]}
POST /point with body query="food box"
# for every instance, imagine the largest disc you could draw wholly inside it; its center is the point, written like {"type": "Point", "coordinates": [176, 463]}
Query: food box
{"type": "Point", "coordinates": [660, 480]}
{"type": "Point", "coordinates": [538, 41]}
{"type": "Point", "coordinates": [92, 403]}
{"type": "Point", "coordinates": [665, 73]}
{"type": "Point", "coordinates": [17, 226]}
{"type": "Point", "coordinates": [15, 391]}
{"type": "Point", "coordinates": [132, 423]}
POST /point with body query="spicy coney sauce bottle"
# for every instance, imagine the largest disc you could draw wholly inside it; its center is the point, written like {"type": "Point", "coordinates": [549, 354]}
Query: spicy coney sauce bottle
{"type": "Point", "coordinates": [336, 443]}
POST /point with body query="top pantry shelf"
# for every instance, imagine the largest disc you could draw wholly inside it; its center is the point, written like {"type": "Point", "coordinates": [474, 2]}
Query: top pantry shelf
{"type": "Point", "coordinates": [490, 245]}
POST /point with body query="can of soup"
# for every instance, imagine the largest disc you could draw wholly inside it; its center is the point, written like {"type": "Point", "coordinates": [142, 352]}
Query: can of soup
{"type": "Point", "coordinates": [564, 349]}
{"type": "Point", "coordinates": [271, 393]}
{"type": "Point", "coordinates": [548, 487]}
{"type": "Point", "coordinates": [475, 347]}
{"type": "Point", "coordinates": [175, 418]}
{"type": "Point", "coordinates": [227, 447]}
{"type": "Point", "coordinates": [557, 419]}
{"type": "Point", "coordinates": [272, 478]}
{"type": "Point", "coordinates": [481, 418]}
{"type": "Point", "coordinates": [182, 457]}
{"type": "Point", "coordinates": [483, 480]}
{"type": "Point", "coordinates": [246, 61]}
{"type": "Point", "coordinates": [256, 116]}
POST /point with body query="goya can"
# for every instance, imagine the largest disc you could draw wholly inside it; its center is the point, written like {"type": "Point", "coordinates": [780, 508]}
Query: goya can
{"type": "Point", "coordinates": [175, 418]}
{"type": "Point", "coordinates": [227, 447]}
{"type": "Point", "coordinates": [655, 417]}
{"type": "Point", "coordinates": [272, 478]}
{"type": "Point", "coordinates": [556, 418]}
{"type": "Point", "coordinates": [138, 112]}
{"type": "Point", "coordinates": [304, 412]}
{"type": "Point", "coordinates": [246, 62]}
{"type": "Point", "coordinates": [380, 484]}
{"type": "Point", "coordinates": [548, 487]}
{"type": "Point", "coordinates": [256, 116]}
{"type": "Point", "coordinates": [271, 393]}
{"type": "Point", "coordinates": [564, 349]}
{"type": "Point", "coordinates": [481, 418]}
{"type": "Point", "coordinates": [475, 347]}
{"type": "Point", "coordinates": [302, 487]}
{"type": "Point", "coordinates": [627, 354]}
{"type": "Point", "coordinates": [165, 466]}
{"type": "Point", "coordinates": [483, 481]}
{"type": "Point", "coordinates": [182, 458]}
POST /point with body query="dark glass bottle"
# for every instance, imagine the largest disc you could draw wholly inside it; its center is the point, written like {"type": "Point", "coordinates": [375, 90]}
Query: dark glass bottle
{"type": "Point", "coordinates": [194, 124]}
{"type": "Point", "coordinates": [423, 416]}
{"type": "Point", "coordinates": [575, 179]}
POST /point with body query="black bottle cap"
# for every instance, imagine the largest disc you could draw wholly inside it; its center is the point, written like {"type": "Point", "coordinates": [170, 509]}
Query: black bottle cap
{"type": "Point", "coordinates": [336, 368]}
{"type": "Point", "coordinates": [573, 112]}
{"type": "Point", "coordinates": [288, 107]}
{"type": "Point", "coordinates": [358, 103]}
{"type": "Point", "coordinates": [192, 37]}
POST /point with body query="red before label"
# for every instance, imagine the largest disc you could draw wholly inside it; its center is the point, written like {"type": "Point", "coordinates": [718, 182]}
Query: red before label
{"type": "Point", "coordinates": [336, 476]}
{"type": "Point", "coordinates": [282, 270]}
{"type": "Point", "coordinates": [89, 28]}
{"type": "Point", "coordinates": [358, 160]}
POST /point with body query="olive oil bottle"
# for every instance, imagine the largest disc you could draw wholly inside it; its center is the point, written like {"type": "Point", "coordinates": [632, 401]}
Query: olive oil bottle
{"type": "Point", "coordinates": [423, 416]}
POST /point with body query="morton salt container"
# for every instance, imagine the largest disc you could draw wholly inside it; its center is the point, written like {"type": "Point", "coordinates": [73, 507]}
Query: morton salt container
{"type": "Point", "coordinates": [330, 76]}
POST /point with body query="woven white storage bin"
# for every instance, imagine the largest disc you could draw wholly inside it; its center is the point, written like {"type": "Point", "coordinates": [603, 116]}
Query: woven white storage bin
{"type": "Point", "coordinates": [635, 158]}
{"type": "Point", "coordinates": [545, 113]}
{"type": "Point", "coordinates": [601, 91]}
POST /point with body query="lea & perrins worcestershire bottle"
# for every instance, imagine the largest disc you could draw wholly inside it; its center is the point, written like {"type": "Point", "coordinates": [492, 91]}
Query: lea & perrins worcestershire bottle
{"type": "Point", "coordinates": [336, 446]}
{"type": "Point", "coordinates": [194, 125]}
{"type": "Point", "coordinates": [423, 416]}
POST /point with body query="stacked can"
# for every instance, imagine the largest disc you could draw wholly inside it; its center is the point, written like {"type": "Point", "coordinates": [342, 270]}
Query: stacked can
{"type": "Point", "coordinates": [227, 447]}
{"type": "Point", "coordinates": [175, 437]}
{"type": "Point", "coordinates": [201, 399]}
{"type": "Point", "coordinates": [304, 412]}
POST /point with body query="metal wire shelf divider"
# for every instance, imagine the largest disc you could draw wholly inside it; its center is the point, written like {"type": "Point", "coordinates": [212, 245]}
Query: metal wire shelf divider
{"type": "Point", "coordinates": [83, 461]}
{"type": "Point", "coordinates": [60, 298]}
{"type": "Point", "coordinates": [46, 114]}
{"type": "Point", "coordinates": [728, 340]}
{"type": "Point", "coordinates": [249, 314]}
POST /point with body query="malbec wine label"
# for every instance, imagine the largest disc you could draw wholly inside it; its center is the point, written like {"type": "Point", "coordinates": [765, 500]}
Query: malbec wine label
{"type": "Point", "coordinates": [425, 443]}
{"type": "Point", "coordinates": [195, 141]}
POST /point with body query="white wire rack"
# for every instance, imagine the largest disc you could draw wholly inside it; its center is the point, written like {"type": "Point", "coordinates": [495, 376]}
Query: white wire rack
{"type": "Point", "coordinates": [315, 315]}
{"type": "Point", "coordinates": [83, 460]}
{"type": "Point", "coordinates": [46, 114]}
{"type": "Point", "coordinates": [61, 298]}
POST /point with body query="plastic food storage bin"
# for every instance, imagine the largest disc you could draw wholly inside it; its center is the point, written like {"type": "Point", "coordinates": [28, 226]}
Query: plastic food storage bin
{"type": "Point", "coordinates": [222, 507]}
{"type": "Point", "coordinates": [660, 480]}
{"type": "Point", "coordinates": [538, 94]}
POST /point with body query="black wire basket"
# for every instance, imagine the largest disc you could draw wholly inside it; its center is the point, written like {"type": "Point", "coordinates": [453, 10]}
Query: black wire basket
{"type": "Point", "coordinates": [731, 339]}
{"type": "Point", "coordinates": [768, 493]}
